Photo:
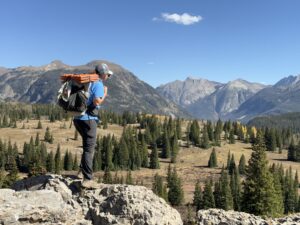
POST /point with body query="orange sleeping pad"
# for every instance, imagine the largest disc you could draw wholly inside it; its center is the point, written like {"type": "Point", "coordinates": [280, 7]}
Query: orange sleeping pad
{"type": "Point", "coordinates": [80, 78]}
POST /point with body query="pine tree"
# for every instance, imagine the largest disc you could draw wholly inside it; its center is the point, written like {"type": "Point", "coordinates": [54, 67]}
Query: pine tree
{"type": "Point", "coordinates": [39, 126]}
{"type": "Point", "coordinates": [166, 150]}
{"type": "Point", "coordinates": [242, 165]}
{"type": "Point", "coordinates": [213, 159]}
{"type": "Point", "coordinates": [57, 160]}
{"type": "Point", "coordinates": [178, 129]}
{"type": "Point", "coordinates": [47, 136]}
{"type": "Point", "coordinates": [290, 201]}
{"type": "Point", "coordinates": [198, 197]}
{"type": "Point", "coordinates": [235, 184]}
{"type": "Point", "coordinates": [37, 139]}
{"type": "Point", "coordinates": [158, 186]}
{"type": "Point", "coordinates": [174, 149]}
{"type": "Point", "coordinates": [204, 138]}
{"type": "Point", "coordinates": [208, 197]}
{"type": "Point", "coordinates": [75, 163]}
{"type": "Point", "coordinates": [194, 134]}
{"type": "Point", "coordinates": [108, 152]}
{"type": "Point", "coordinates": [232, 165]}
{"type": "Point", "coordinates": [144, 150]}
{"type": "Point", "coordinates": [259, 196]}
{"type": "Point", "coordinates": [129, 179]}
{"type": "Point", "coordinates": [175, 194]}
{"type": "Point", "coordinates": [50, 163]}
{"type": "Point", "coordinates": [231, 137]}
{"type": "Point", "coordinates": [226, 201]}
{"type": "Point", "coordinates": [154, 163]}
{"type": "Point", "coordinates": [228, 160]}
{"type": "Point", "coordinates": [69, 162]}
{"type": "Point", "coordinates": [292, 151]}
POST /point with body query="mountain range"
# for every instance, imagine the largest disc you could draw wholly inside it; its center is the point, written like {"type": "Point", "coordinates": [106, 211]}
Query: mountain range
{"type": "Point", "coordinates": [193, 97]}
{"type": "Point", "coordinates": [235, 100]}
{"type": "Point", "coordinates": [125, 91]}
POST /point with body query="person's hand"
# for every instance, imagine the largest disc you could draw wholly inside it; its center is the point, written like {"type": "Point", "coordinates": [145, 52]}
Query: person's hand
{"type": "Point", "coordinates": [105, 91]}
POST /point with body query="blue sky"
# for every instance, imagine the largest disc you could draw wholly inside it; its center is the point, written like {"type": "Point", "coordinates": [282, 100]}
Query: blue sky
{"type": "Point", "coordinates": [159, 40]}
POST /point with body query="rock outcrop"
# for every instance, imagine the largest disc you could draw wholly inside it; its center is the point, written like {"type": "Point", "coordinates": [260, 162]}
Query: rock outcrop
{"type": "Point", "coordinates": [53, 199]}
{"type": "Point", "coordinates": [222, 217]}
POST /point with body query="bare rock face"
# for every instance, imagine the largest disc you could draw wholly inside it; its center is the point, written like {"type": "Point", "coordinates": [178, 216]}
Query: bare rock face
{"type": "Point", "coordinates": [53, 199]}
{"type": "Point", "coordinates": [222, 217]}
{"type": "Point", "coordinates": [37, 207]}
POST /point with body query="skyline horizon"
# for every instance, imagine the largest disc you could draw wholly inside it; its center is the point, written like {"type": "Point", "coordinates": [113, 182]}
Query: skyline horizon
{"type": "Point", "coordinates": [196, 77]}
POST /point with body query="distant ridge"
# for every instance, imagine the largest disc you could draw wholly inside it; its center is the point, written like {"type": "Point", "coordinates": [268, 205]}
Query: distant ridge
{"type": "Point", "coordinates": [125, 91]}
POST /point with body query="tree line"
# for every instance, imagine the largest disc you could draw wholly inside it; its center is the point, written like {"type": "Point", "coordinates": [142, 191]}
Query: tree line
{"type": "Point", "coordinates": [257, 188]}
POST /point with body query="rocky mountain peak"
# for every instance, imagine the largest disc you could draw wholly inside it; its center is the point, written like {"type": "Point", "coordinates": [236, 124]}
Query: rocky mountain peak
{"type": "Point", "coordinates": [244, 85]}
{"type": "Point", "coordinates": [54, 65]}
{"type": "Point", "coordinates": [288, 82]}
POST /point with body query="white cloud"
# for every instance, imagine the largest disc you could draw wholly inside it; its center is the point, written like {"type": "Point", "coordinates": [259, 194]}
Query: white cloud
{"type": "Point", "coordinates": [184, 19]}
{"type": "Point", "coordinates": [150, 63]}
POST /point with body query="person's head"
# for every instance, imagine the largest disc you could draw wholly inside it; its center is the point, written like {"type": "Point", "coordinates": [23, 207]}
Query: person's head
{"type": "Point", "coordinates": [103, 71]}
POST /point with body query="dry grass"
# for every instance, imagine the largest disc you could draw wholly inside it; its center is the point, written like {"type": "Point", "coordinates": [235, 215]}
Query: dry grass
{"type": "Point", "coordinates": [191, 163]}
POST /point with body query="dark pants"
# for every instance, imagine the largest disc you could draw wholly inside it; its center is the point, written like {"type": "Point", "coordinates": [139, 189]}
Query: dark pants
{"type": "Point", "coordinates": [88, 131]}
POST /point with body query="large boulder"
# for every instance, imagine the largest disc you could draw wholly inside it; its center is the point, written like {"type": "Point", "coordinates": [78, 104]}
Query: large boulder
{"type": "Point", "coordinates": [38, 207]}
{"type": "Point", "coordinates": [222, 217]}
{"type": "Point", "coordinates": [53, 199]}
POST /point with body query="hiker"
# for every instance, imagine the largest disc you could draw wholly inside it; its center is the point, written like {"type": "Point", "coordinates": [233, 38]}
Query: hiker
{"type": "Point", "coordinates": [86, 124]}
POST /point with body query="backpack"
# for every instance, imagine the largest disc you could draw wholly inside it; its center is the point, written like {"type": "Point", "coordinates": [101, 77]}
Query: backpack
{"type": "Point", "coordinates": [74, 92]}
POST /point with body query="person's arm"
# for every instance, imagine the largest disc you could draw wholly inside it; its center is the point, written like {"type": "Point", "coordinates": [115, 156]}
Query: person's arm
{"type": "Point", "coordinates": [99, 100]}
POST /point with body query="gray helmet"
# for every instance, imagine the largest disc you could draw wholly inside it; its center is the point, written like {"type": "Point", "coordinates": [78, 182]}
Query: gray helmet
{"type": "Point", "coordinates": [103, 69]}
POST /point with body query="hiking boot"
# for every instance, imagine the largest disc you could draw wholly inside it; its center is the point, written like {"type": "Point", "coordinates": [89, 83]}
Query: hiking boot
{"type": "Point", "coordinates": [80, 175]}
{"type": "Point", "coordinates": [89, 184]}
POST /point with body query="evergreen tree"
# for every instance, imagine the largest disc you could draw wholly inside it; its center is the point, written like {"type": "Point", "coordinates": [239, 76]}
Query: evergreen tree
{"type": "Point", "coordinates": [175, 194]}
{"type": "Point", "coordinates": [259, 196]}
{"type": "Point", "coordinates": [69, 162]}
{"type": "Point", "coordinates": [57, 160]}
{"type": "Point", "coordinates": [292, 151]}
{"type": "Point", "coordinates": [47, 136]}
{"type": "Point", "coordinates": [129, 179]}
{"type": "Point", "coordinates": [198, 197]}
{"type": "Point", "coordinates": [158, 186]}
{"type": "Point", "coordinates": [166, 150]}
{"type": "Point", "coordinates": [194, 134]}
{"type": "Point", "coordinates": [37, 139]}
{"type": "Point", "coordinates": [290, 201]}
{"type": "Point", "coordinates": [108, 152]}
{"type": "Point", "coordinates": [204, 138]}
{"type": "Point", "coordinates": [178, 129]}
{"type": "Point", "coordinates": [154, 163]}
{"type": "Point", "coordinates": [242, 165]}
{"type": "Point", "coordinates": [39, 126]}
{"type": "Point", "coordinates": [144, 150]}
{"type": "Point", "coordinates": [208, 197]}
{"type": "Point", "coordinates": [75, 163]}
{"type": "Point", "coordinates": [213, 159]}
{"type": "Point", "coordinates": [226, 201]}
{"type": "Point", "coordinates": [235, 184]}
{"type": "Point", "coordinates": [174, 149]}
{"type": "Point", "coordinates": [231, 137]}
{"type": "Point", "coordinates": [210, 131]}
{"type": "Point", "coordinates": [228, 160]}
{"type": "Point", "coordinates": [232, 165]}
{"type": "Point", "coordinates": [50, 163]}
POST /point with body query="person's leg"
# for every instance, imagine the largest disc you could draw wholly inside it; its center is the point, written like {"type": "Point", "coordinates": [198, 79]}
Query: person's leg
{"type": "Point", "coordinates": [88, 130]}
